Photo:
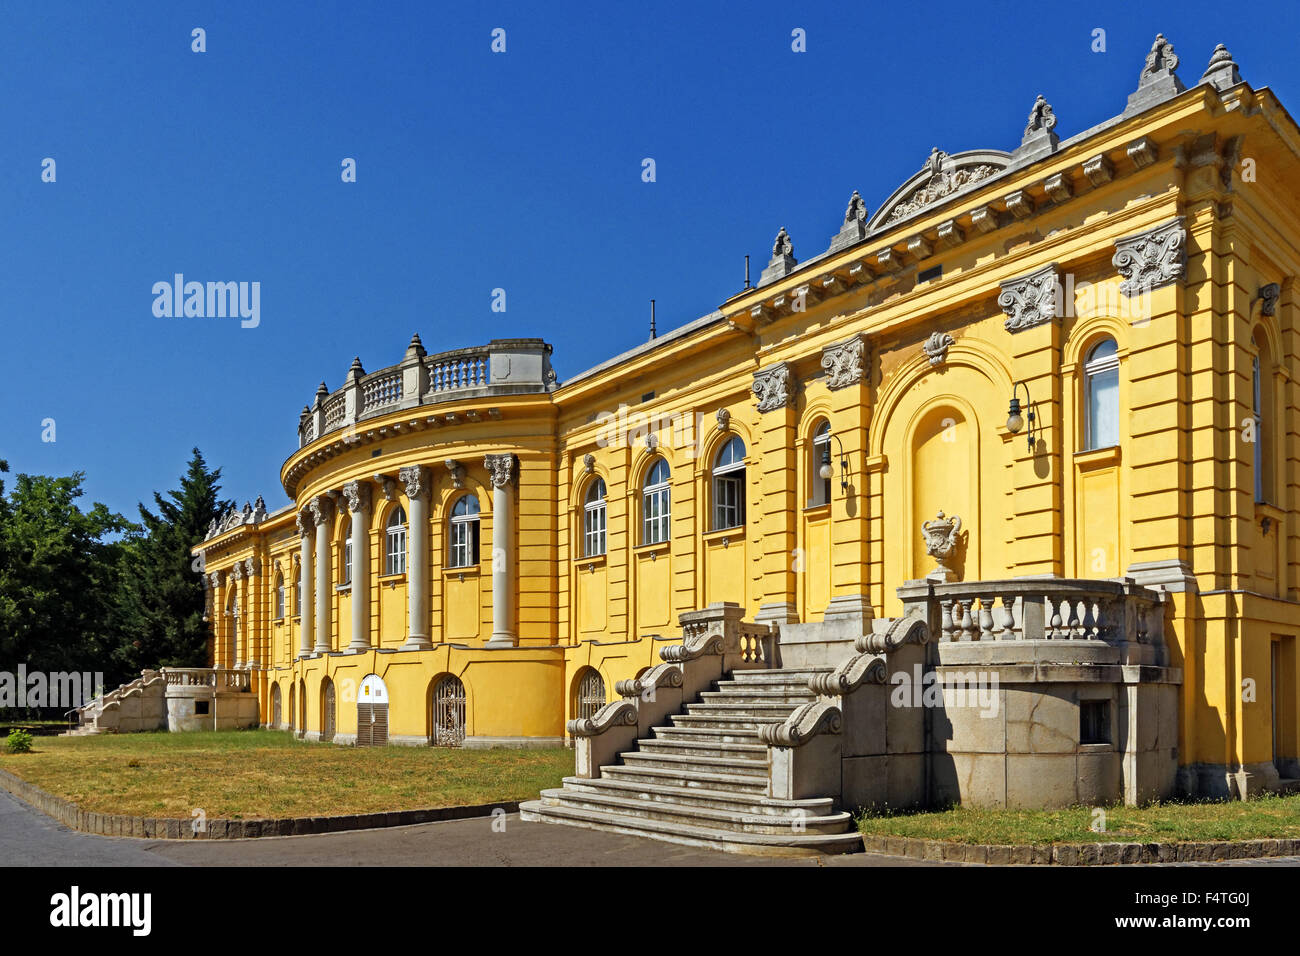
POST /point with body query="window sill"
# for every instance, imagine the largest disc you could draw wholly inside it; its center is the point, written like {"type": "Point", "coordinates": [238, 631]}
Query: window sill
{"type": "Point", "coordinates": [470, 569]}
{"type": "Point", "coordinates": [391, 579]}
{"type": "Point", "coordinates": [653, 550]}
{"type": "Point", "coordinates": [725, 535]}
{"type": "Point", "coordinates": [821, 509]}
{"type": "Point", "coordinates": [342, 588]}
{"type": "Point", "coordinates": [1098, 457]}
{"type": "Point", "coordinates": [592, 560]}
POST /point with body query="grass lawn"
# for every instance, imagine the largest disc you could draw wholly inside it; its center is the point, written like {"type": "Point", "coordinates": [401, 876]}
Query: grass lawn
{"type": "Point", "coordinates": [265, 773]}
{"type": "Point", "coordinates": [1268, 817]}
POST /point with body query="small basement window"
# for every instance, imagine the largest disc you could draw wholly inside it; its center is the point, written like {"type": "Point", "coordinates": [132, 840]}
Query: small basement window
{"type": "Point", "coordinates": [1094, 722]}
{"type": "Point", "coordinates": [201, 706]}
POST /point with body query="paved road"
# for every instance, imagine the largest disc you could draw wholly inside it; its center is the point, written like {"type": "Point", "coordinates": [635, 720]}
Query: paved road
{"type": "Point", "coordinates": [30, 838]}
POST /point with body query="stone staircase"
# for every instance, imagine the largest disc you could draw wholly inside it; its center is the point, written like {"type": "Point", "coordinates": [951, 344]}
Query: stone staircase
{"type": "Point", "coordinates": [704, 780]}
{"type": "Point", "coordinates": [105, 714]}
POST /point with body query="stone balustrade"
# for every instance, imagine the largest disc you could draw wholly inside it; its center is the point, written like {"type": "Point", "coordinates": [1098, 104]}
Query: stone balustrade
{"type": "Point", "coordinates": [502, 367]}
{"type": "Point", "coordinates": [217, 677]}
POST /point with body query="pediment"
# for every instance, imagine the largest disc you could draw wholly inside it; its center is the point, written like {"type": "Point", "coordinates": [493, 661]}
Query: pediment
{"type": "Point", "coordinates": [943, 175]}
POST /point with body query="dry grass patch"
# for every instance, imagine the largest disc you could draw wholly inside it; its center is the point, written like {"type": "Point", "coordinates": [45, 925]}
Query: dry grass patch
{"type": "Point", "coordinates": [266, 773]}
{"type": "Point", "coordinates": [1265, 818]}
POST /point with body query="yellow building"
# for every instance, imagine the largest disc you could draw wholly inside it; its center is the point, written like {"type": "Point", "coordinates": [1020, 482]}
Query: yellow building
{"type": "Point", "coordinates": [477, 552]}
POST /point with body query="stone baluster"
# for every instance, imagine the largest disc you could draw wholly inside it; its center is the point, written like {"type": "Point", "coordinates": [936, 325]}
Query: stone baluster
{"type": "Point", "coordinates": [945, 619]}
{"type": "Point", "coordinates": [1008, 617]}
{"type": "Point", "coordinates": [986, 619]}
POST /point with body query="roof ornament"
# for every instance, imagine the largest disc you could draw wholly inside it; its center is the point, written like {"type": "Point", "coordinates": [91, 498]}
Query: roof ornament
{"type": "Point", "coordinates": [1222, 73]}
{"type": "Point", "coordinates": [855, 224]}
{"type": "Point", "coordinates": [1157, 81]}
{"type": "Point", "coordinates": [783, 260]}
{"type": "Point", "coordinates": [1039, 138]}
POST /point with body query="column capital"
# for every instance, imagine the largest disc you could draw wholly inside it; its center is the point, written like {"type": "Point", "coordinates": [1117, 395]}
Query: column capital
{"type": "Point", "coordinates": [303, 523]}
{"type": "Point", "coordinates": [501, 469]}
{"type": "Point", "coordinates": [357, 495]}
{"type": "Point", "coordinates": [416, 480]}
{"type": "Point", "coordinates": [252, 567]}
{"type": "Point", "coordinates": [214, 579]}
{"type": "Point", "coordinates": [237, 571]}
{"type": "Point", "coordinates": [321, 508]}
{"type": "Point", "coordinates": [773, 388]}
{"type": "Point", "coordinates": [846, 362]}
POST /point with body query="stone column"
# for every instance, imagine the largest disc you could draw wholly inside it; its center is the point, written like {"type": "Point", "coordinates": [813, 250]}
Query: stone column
{"type": "Point", "coordinates": [774, 388]}
{"type": "Point", "coordinates": [233, 655]}
{"type": "Point", "coordinates": [357, 494]}
{"type": "Point", "coordinates": [320, 512]}
{"type": "Point", "coordinates": [305, 565]}
{"type": "Point", "coordinates": [256, 619]}
{"type": "Point", "coordinates": [215, 616]}
{"type": "Point", "coordinates": [501, 469]}
{"type": "Point", "coordinates": [416, 480]}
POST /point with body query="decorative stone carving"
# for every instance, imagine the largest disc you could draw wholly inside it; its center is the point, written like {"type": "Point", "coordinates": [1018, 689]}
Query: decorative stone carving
{"type": "Point", "coordinates": [320, 508]}
{"type": "Point", "coordinates": [1142, 151]}
{"type": "Point", "coordinates": [237, 571]}
{"type": "Point", "coordinates": [1153, 258]}
{"type": "Point", "coordinates": [259, 510]}
{"type": "Point", "coordinates": [1269, 294]}
{"type": "Point", "coordinates": [854, 229]}
{"type": "Point", "coordinates": [1098, 169]}
{"type": "Point", "coordinates": [940, 536]}
{"type": "Point", "coordinates": [918, 248]}
{"type": "Point", "coordinates": [661, 675]}
{"type": "Point", "coordinates": [588, 463]}
{"type": "Point", "coordinates": [1222, 73]}
{"type": "Point", "coordinates": [457, 472]}
{"type": "Point", "coordinates": [1059, 187]}
{"type": "Point", "coordinates": [936, 346]}
{"type": "Point", "coordinates": [501, 469]}
{"type": "Point", "coordinates": [357, 495]}
{"type": "Point", "coordinates": [1020, 204]}
{"type": "Point", "coordinates": [252, 567]}
{"type": "Point", "coordinates": [1039, 138]}
{"type": "Point", "coordinates": [387, 487]}
{"type": "Point", "coordinates": [950, 234]}
{"type": "Point", "coordinates": [772, 387]}
{"type": "Point", "coordinates": [724, 417]}
{"type": "Point", "coordinates": [214, 579]}
{"type": "Point", "coordinates": [1031, 300]}
{"type": "Point", "coordinates": [615, 714]}
{"type": "Point", "coordinates": [844, 362]}
{"type": "Point", "coordinates": [651, 441]}
{"type": "Point", "coordinates": [984, 218]}
{"type": "Point", "coordinates": [783, 261]}
{"type": "Point", "coordinates": [415, 480]}
{"type": "Point", "coordinates": [303, 523]}
{"type": "Point", "coordinates": [899, 631]}
{"type": "Point", "coordinates": [1157, 81]}
{"type": "Point", "coordinates": [942, 175]}
{"type": "Point", "coordinates": [808, 720]}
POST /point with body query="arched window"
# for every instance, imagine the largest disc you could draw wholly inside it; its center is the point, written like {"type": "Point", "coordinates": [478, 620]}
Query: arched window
{"type": "Point", "coordinates": [395, 537]}
{"type": "Point", "coordinates": [656, 504]}
{"type": "Point", "coordinates": [345, 572]}
{"type": "Point", "coordinates": [328, 711]}
{"type": "Point", "coordinates": [591, 693]}
{"type": "Point", "coordinates": [821, 459]}
{"type": "Point", "coordinates": [275, 706]}
{"type": "Point", "coordinates": [464, 532]}
{"type": "Point", "coordinates": [279, 597]}
{"type": "Point", "coordinates": [729, 485]}
{"type": "Point", "coordinates": [1101, 395]}
{"type": "Point", "coordinates": [297, 594]}
{"type": "Point", "coordinates": [593, 520]}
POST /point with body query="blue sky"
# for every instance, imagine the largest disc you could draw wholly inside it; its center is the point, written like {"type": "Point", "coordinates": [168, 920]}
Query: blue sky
{"type": "Point", "coordinates": [475, 171]}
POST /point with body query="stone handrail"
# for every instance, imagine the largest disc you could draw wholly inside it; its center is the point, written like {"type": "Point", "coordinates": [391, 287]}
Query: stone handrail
{"type": "Point", "coordinates": [819, 716]}
{"type": "Point", "coordinates": [1114, 611]}
{"type": "Point", "coordinates": [219, 677]}
{"type": "Point", "coordinates": [645, 686]}
{"type": "Point", "coordinates": [617, 713]}
{"type": "Point", "coordinates": [502, 367]}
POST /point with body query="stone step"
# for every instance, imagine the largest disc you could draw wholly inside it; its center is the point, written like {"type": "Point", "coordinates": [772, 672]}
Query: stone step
{"type": "Point", "coordinates": [741, 766]}
{"type": "Point", "coordinates": [682, 777]}
{"type": "Point", "coordinates": [743, 820]}
{"type": "Point", "coordinates": [695, 796]}
{"type": "Point", "coordinates": [704, 748]}
{"type": "Point", "coordinates": [743, 698]}
{"type": "Point", "coordinates": [707, 734]}
{"type": "Point", "coordinates": [798, 677]}
{"type": "Point", "coordinates": [732, 841]}
{"type": "Point", "coordinates": [725, 722]}
{"type": "Point", "coordinates": [727, 708]}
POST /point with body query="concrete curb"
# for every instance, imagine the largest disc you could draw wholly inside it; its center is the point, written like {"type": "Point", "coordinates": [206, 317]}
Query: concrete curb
{"type": "Point", "coordinates": [1078, 854]}
{"type": "Point", "coordinates": [160, 828]}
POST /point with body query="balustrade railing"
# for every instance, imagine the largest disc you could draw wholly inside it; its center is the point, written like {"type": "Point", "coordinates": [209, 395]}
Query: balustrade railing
{"type": "Point", "coordinates": [220, 678]}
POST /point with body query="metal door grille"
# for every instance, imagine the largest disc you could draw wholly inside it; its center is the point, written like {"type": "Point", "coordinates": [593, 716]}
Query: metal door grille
{"type": "Point", "coordinates": [275, 706]}
{"type": "Point", "coordinates": [327, 722]}
{"type": "Point", "coordinates": [591, 694]}
{"type": "Point", "coordinates": [449, 713]}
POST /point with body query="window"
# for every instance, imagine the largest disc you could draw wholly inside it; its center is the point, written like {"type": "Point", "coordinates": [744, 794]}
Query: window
{"type": "Point", "coordinates": [593, 520]}
{"type": "Point", "coordinates": [395, 552]}
{"type": "Point", "coordinates": [464, 532]}
{"type": "Point", "coordinates": [1261, 408]}
{"type": "Point", "coordinates": [591, 693]}
{"type": "Point", "coordinates": [345, 578]}
{"type": "Point", "coordinates": [729, 486]}
{"type": "Point", "coordinates": [279, 597]}
{"type": "Point", "coordinates": [1101, 384]}
{"type": "Point", "coordinates": [297, 596]}
{"type": "Point", "coordinates": [656, 504]}
{"type": "Point", "coordinates": [821, 458]}
{"type": "Point", "coordinates": [1259, 430]}
{"type": "Point", "coordinates": [1094, 721]}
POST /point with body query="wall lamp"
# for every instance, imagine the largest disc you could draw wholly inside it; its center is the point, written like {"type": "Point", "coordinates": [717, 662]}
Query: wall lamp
{"type": "Point", "coordinates": [826, 471]}
{"type": "Point", "coordinates": [1016, 421]}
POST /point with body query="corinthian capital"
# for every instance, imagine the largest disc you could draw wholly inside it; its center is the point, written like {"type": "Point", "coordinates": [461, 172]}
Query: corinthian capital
{"type": "Point", "coordinates": [501, 469]}
{"type": "Point", "coordinates": [320, 510]}
{"type": "Point", "coordinates": [357, 494]}
{"type": "Point", "coordinates": [416, 480]}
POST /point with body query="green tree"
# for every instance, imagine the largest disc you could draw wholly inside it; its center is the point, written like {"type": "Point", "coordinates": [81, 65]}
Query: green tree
{"type": "Point", "coordinates": [58, 575]}
{"type": "Point", "coordinates": [160, 598]}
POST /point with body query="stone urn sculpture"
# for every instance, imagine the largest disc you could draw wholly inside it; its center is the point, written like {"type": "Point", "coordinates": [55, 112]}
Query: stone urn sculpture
{"type": "Point", "coordinates": [940, 536]}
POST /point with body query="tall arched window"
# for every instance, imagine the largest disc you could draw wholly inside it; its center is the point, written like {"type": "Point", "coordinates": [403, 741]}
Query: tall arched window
{"type": "Point", "coordinates": [279, 596]}
{"type": "Point", "coordinates": [395, 538]}
{"type": "Point", "coordinates": [345, 559]}
{"type": "Point", "coordinates": [593, 520]}
{"type": "Point", "coordinates": [464, 532]}
{"type": "Point", "coordinates": [656, 504]}
{"type": "Point", "coordinates": [1261, 408]}
{"type": "Point", "coordinates": [590, 696]}
{"type": "Point", "coordinates": [821, 458]}
{"type": "Point", "coordinates": [1101, 395]}
{"type": "Point", "coordinates": [729, 485]}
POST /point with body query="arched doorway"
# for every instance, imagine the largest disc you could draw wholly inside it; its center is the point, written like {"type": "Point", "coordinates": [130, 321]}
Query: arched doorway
{"type": "Point", "coordinates": [275, 706]}
{"type": "Point", "coordinates": [372, 713]}
{"type": "Point", "coordinates": [293, 712]}
{"type": "Point", "coordinates": [448, 712]}
{"type": "Point", "coordinates": [327, 711]}
{"type": "Point", "coordinates": [589, 693]}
